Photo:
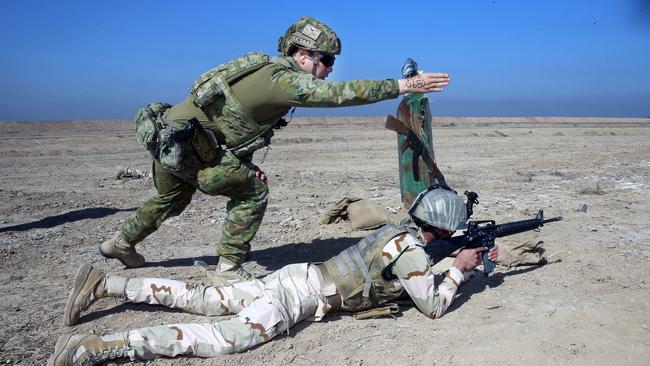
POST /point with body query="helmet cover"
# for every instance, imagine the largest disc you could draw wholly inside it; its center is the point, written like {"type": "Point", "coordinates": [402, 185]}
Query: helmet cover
{"type": "Point", "coordinates": [311, 34]}
{"type": "Point", "coordinates": [440, 208]}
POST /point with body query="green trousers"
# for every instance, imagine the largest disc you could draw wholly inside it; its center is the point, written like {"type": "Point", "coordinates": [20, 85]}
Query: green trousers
{"type": "Point", "coordinates": [226, 176]}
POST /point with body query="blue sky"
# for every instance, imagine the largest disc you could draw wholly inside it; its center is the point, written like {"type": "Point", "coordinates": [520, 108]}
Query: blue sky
{"type": "Point", "coordinates": [104, 59]}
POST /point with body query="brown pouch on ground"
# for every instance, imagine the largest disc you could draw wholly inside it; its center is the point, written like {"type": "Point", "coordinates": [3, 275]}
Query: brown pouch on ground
{"type": "Point", "coordinates": [365, 215]}
{"type": "Point", "coordinates": [513, 253]}
{"type": "Point", "coordinates": [338, 212]}
{"type": "Point", "coordinates": [388, 309]}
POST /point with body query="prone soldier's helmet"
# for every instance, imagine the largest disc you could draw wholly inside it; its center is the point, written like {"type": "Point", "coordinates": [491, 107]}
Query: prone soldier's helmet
{"type": "Point", "coordinates": [439, 207]}
{"type": "Point", "coordinates": [311, 34]}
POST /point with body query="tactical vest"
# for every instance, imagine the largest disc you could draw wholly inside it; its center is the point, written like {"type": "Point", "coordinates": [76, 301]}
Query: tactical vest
{"type": "Point", "coordinates": [212, 93]}
{"type": "Point", "coordinates": [357, 271]}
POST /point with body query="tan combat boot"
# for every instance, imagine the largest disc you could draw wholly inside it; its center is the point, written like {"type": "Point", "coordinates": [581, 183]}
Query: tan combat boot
{"type": "Point", "coordinates": [89, 285]}
{"type": "Point", "coordinates": [86, 350]}
{"type": "Point", "coordinates": [228, 273]}
{"type": "Point", "coordinates": [117, 247]}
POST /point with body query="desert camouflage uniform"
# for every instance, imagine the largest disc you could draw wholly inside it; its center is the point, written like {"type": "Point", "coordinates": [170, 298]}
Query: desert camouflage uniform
{"type": "Point", "coordinates": [272, 305]}
{"type": "Point", "coordinates": [265, 94]}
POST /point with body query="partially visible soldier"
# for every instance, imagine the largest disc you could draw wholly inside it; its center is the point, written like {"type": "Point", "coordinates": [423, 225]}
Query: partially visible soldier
{"type": "Point", "coordinates": [207, 141]}
{"type": "Point", "coordinates": [389, 264]}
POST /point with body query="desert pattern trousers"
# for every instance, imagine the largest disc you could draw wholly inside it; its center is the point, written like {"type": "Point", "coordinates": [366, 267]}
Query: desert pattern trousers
{"type": "Point", "coordinates": [264, 308]}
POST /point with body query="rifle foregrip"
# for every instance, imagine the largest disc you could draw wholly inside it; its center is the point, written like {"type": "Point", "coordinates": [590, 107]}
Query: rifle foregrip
{"type": "Point", "coordinates": [516, 227]}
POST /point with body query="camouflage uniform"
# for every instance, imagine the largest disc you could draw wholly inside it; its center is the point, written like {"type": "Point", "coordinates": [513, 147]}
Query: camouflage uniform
{"type": "Point", "coordinates": [272, 305]}
{"type": "Point", "coordinates": [264, 95]}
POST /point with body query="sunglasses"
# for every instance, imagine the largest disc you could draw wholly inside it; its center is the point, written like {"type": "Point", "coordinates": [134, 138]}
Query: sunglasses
{"type": "Point", "coordinates": [326, 59]}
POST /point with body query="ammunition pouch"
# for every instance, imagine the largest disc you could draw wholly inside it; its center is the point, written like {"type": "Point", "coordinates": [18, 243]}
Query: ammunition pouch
{"type": "Point", "coordinates": [148, 122]}
{"type": "Point", "coordinates": [177, 139]}
{"type": "Point", "coordinates": [168, 141]}
{"type": "Point", "coordinates": [205, 145]}
{"type": "Point", "coordinates": [173, 139]}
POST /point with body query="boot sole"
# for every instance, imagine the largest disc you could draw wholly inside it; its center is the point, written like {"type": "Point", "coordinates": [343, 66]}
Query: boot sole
{"type": "Point", "coordinates": [79, 280]}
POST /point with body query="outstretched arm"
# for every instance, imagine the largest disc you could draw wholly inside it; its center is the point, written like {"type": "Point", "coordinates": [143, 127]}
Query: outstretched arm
{"type": "Point", "coordinates": [304, 90]}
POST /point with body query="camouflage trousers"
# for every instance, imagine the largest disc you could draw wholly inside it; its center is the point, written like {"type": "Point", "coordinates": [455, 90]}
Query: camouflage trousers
{"type": "Point", "coordinates": [227, 176]}
{"type": "Point", "coordinates": [264, 308]}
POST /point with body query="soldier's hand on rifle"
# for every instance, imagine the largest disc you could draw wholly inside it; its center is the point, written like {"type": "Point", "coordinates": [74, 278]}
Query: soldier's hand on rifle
{"type": "Point", "coordinates": [493, 254]}
{"type": "Point", "coordinates": [468, 259]}
{"type": "Point", "coordinates": [424, 83]}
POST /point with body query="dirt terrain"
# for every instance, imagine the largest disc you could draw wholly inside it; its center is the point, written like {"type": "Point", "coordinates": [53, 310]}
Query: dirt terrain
{"type": "Point", "coordinates": [59, 198]}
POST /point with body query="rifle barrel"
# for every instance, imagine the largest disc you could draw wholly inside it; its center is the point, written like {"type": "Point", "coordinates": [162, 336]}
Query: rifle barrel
{"type": "Point", "coordinates": [552, 219]}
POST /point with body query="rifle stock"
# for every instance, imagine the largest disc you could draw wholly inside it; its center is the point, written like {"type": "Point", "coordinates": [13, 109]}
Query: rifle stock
{"type": "Point", "coordinates": [396, 125]}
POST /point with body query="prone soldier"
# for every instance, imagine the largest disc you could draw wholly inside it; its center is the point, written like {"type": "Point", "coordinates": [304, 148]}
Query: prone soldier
{"type": "Point", "coordinates": [206, 142]}
{"type": "Point", "coordinates": [388, 264]}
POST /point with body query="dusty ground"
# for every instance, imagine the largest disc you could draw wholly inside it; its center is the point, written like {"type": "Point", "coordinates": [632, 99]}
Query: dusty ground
{"type": "Point", "coordinates": [59, 199]}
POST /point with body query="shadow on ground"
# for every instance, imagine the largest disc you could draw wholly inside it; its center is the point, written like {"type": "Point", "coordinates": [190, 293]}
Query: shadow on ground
{"type": "Point", "coordinates": [480, 282]}
{"type": "Point", "coordinates": [52, 221]}
{"type": "Point", "coordinates": [123, 307]}
{"type": "Point", "coordinates": [318, 250]}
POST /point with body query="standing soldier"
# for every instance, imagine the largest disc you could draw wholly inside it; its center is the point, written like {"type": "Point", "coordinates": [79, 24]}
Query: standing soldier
{"type": "Point", "coordinates": [387, 265]}
{"type": "Point", "coordinates": [207, 141]}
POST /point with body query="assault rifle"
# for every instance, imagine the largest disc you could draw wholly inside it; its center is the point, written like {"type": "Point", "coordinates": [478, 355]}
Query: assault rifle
{"type": "Point", "coordinates": [482, 234]}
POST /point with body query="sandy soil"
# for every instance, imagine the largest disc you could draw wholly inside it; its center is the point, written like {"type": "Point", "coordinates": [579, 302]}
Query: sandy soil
{"type": "Point", "coordinates": [59, 198]}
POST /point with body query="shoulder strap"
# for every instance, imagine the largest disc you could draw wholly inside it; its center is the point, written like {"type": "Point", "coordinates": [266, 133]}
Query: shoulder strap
{"type": "Point", "coordinates": [281, 60]}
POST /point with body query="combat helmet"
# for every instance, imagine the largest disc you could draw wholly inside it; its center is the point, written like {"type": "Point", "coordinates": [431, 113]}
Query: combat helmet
{"type": "Point", "coordinates": [311, 34]}
{"type": "Point", "coordinates": [439, 207]}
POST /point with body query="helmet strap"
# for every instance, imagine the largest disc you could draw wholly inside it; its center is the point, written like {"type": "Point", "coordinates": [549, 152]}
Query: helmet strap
{"type": "Point", "coordinates": [313, 69]}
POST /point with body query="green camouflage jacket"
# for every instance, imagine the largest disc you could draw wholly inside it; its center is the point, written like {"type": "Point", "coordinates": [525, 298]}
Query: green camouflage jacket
{"type": "Point", "coordinates": [275, 88]}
